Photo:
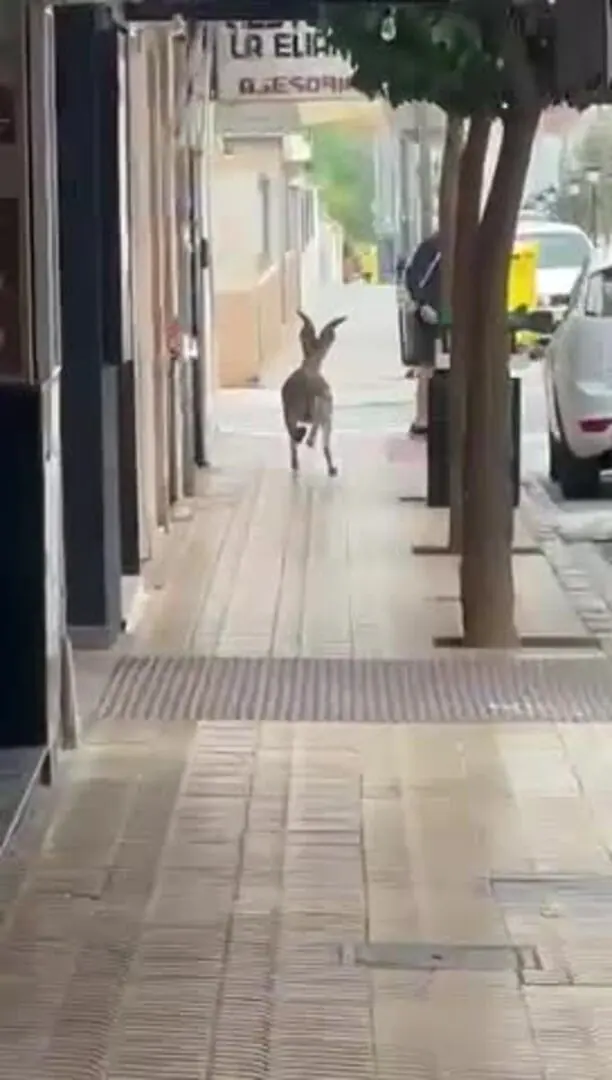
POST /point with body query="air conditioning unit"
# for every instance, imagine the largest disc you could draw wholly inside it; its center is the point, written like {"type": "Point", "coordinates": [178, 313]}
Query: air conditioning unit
{"type": "Point", "coordinates": [296, 150]}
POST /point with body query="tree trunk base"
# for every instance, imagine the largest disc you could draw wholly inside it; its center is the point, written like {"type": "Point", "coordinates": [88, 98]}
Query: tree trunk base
{"type": "Point", "coordinates": [490, 635]}
{"type": "Point", "coordinates": [487, 595]}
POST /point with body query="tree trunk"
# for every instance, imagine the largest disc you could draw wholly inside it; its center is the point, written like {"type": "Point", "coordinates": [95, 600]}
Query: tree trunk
{"type": "Point", "coordinates": [449, 183]}
{"type": "Point", "coordinates": [487, 587]}
{"type": "Point", "coordinates": [469, 197]}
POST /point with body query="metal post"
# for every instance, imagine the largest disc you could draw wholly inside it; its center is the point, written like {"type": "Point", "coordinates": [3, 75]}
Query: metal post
{"type": "Point", "coordinates": [404, 179]}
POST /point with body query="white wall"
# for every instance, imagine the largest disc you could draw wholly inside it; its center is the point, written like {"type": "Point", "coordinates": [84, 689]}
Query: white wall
{"type": "Point", "coordinates": [322, 259]}
{"type": "Point", "coordinates": [310, 270]}
{"type": "Point", "coordinates": [236, 207]}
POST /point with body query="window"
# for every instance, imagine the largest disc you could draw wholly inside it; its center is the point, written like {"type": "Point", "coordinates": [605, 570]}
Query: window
{"type": "Point", "coordinates": [606, 281]}
{"type": "Point", "coordinates": [598, 301]}
{"type": "Point", "coordinates": [593, 302]}
{"type": "Point", "coordinates": [558, 250]}
{"type": "Point", "coordinates": [578, 291]}
{"type": "Point", "coordinates": [265, 214]}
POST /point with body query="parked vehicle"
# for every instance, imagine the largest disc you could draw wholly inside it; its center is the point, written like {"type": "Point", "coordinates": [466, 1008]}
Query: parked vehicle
{"type": "Point", "coordinates": [562, 249]}
{"type": "Point", "coordinates": [578, 379]}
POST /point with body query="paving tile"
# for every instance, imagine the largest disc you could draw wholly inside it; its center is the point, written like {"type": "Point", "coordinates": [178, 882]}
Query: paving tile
{"type": "Point", "coordinates": [227, 956]}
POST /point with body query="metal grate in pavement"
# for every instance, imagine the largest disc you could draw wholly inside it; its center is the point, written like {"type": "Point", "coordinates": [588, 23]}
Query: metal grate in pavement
{"type": "Point", "coordinates": [463, 688]}
{"type": "Point", "coordinates": [421, 956]}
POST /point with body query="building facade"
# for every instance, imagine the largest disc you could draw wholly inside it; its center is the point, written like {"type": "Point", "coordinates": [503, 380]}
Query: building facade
{"type": "Point", "coordinates": [265, 223]}
{"type": "Point", "coordinates": [152, 250]}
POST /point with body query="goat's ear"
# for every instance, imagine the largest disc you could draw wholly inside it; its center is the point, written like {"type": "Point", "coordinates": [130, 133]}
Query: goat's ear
{"type": "Point", "coordinates": [307, 335]}
{"type": "Point", "coordinates": [332, 325]}
{"type": "Point", "coordinates": [307, 323]}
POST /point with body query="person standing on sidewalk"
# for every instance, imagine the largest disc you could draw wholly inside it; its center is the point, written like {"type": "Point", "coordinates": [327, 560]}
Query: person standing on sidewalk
{"type": "Point", "coordinates": [423, 282]}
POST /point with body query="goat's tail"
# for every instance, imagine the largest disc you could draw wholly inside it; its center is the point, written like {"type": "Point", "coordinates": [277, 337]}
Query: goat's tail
{"type": "Point", "coordinates": [297, 428]}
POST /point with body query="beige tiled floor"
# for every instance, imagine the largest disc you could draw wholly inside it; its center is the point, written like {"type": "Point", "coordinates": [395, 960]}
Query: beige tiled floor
{"type": "Point", "coordinates": [270, 566]}
{"type": "Point", "coordinates": [185, 913]}
{"type": "Point", "coordinates": [182, 906]}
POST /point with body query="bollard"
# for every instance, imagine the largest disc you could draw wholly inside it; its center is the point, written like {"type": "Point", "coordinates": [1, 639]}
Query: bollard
{"type": "Point", "coordinates": [438, 448]}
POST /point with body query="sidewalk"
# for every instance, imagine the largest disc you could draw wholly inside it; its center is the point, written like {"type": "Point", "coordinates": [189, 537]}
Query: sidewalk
{"type": "Point", "coordinates": [300, 842]}
{"type": "Point", "coordinates": [313, 568]}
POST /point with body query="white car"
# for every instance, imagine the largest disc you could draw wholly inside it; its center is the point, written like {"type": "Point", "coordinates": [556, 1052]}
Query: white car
{"type": "Point", "coordinates": [578, 380]}
{"type": "Point", "coordinates": [562, 251]}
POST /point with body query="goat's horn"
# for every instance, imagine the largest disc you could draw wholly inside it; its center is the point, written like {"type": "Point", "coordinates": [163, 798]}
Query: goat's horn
{"type": "Point", "coordinates": [332, 324]}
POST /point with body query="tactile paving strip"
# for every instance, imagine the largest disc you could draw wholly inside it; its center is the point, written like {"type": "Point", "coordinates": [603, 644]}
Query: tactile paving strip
{"type": "Point", "coordinates": [466, 688]}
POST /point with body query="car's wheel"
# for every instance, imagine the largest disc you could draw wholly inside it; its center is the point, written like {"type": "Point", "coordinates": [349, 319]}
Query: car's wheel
{"type": "Point", "coordinates": [577, 477]}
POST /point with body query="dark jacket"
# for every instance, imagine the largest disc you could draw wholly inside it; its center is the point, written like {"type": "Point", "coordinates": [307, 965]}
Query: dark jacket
{"type": "Point", "coordinates": [417, 269]}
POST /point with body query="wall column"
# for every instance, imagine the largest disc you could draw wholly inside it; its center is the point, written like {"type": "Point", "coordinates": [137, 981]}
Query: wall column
{"type": "Point", "coordinates": [87, 109]}
{"type": "Point", "coordinates": [31, 592]}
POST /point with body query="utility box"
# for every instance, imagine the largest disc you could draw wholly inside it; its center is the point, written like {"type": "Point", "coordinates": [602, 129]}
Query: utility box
{"type": "Point", "coordinates": [522, 287]}
{"type": "Point", "coordinates": [368, 262]}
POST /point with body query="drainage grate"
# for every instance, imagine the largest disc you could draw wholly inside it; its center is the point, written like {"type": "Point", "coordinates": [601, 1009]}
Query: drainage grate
{"type": "Point", "coordinates": [464, 688]}
{"type": "Point", "coordinates": [421, 956]}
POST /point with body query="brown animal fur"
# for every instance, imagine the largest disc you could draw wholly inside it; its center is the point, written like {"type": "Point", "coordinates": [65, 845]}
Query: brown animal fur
{"type": "Point", "coordinates": [306, 395]}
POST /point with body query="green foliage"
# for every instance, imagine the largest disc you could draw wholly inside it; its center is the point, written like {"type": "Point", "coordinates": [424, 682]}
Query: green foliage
{"type": "Point", "coordinates": [342, 167]}
{"type": "Point", "coordinates": [433, 57]}
{"type": "Point", "coordinates": [462, 57]}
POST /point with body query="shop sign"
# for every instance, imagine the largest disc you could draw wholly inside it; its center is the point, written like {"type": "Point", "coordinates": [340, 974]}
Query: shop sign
{"type": "Point", "coordinates": [281, 61]}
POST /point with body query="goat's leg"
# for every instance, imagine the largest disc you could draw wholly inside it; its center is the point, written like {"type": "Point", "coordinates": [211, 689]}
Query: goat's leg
{"type": "Point", "coordinates": [326, 427]}
{"type": "Point", "coordinates": [312, 434]}
{"type": "Point", "coordinates": [295, 461]}
{"type": "Point", "coordinates": [318, 416]}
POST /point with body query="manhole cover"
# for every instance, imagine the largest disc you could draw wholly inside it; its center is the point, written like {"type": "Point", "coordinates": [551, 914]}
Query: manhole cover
{"type": "Point", "coordinates": [419, 956]}
{"type": "Point", "coordinates": [465, 688]}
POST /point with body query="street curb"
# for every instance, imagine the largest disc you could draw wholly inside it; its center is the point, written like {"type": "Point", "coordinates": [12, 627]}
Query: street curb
{"type": "Point", "coordinates": [576, 580]}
